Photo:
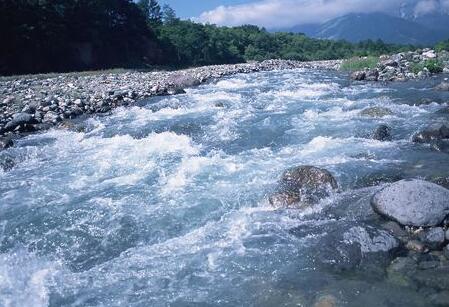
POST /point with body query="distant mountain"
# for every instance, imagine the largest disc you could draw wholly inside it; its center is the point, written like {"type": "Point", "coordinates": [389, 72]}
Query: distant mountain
{"type": "Point", "coordinates": [422, 30]}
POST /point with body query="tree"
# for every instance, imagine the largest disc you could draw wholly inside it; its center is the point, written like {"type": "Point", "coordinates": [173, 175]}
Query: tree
{"type": "Point", "coordinates": [152, 11]}
{"type": "Point", "coordinates": [168, 14]}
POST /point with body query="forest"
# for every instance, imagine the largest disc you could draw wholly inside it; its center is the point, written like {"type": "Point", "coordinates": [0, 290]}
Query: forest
{"type": "Point", "coordinates": [72, 35]}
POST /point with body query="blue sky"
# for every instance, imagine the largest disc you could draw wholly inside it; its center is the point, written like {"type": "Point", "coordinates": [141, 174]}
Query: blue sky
{"type": "Point", "coordinates": [194, 8]}
{"type": "Point", "coordinates": [286, 13]}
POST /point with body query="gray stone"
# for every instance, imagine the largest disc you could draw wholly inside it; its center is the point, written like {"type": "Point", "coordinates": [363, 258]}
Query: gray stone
{"type": "Point", "coordinates": [371, 242]}
{"type": "Point", "coordinates": [358, 75]}
{"type": "Point", "coordinates": [20, 119]}
{"type": "Point", "coordinates": [303, 186]}
{"type": "Point", "coordinates": [372, 75]}
{"type": "Point", "coordinates": [433, 237]}
{"type": "Point", "coordinates": [382, 133]}
{"type": "Point", "coordinates": [413, 203]}
{"type": "Point", "coordinates": [443, 86]}
{"type": "Point", "coordinates": [416, 246]}
{"type": "Point", "coordinates": [376, 112]}
{"type": "Point", "coordinates": [434, 132]}
{"type": "Point", "coordinates": [5, 142]}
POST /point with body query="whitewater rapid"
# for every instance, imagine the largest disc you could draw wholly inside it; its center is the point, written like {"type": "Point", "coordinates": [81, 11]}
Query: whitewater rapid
{"type": "Point", "coordinates": [165, 203]}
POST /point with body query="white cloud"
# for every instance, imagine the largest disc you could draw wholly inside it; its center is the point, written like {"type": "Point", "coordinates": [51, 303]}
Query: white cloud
{"type": "Point", "coordinates": [284, 13]}
{"type": "Point", "coordinates": [426, 7]}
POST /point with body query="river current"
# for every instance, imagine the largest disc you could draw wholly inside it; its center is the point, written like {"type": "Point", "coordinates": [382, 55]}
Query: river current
{"type": "Point", "coordinates": [165, 203]}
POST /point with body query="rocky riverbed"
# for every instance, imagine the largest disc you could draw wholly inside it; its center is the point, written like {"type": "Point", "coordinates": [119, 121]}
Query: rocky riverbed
{"type": "Point", "coordinates": [36, 103]}
{"type": "Point", "coordinates": [419, 64]}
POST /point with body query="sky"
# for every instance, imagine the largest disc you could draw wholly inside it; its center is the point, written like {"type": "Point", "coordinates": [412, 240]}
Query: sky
{"type": "Point", "coordinates": [286, 13]}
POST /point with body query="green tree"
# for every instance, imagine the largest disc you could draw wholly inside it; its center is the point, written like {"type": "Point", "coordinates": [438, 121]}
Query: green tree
{"type": "Point", "coordinates": [168, 14]}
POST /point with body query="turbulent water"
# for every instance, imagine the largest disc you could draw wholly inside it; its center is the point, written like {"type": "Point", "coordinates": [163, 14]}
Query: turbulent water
{"type": "Point", "coordinates": [165, 203]}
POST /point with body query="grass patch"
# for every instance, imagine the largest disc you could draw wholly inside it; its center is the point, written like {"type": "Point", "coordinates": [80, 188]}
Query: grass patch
{"type": "Point", "coordinates": [434, 66]}
{"type": "Point", "coordinates": [354, 64]}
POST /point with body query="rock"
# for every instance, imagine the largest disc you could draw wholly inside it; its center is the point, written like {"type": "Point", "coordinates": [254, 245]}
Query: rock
{"type": "Point", "coordinates": [376, 112]}
{"type": "Point", "coordinates": [371, 240]}
{"type": "Point", "coordinates": [413, 202]}
{"type": "Point", "coordinates": [358, 75]}
{"type": "Point", "coordinates": [372, 75]}
{"type": "Point", "coordinates": [303, 186]}
{"type": "Point", "coordinates": [446, 252]}
{"type": "Point", "coordinates": [176, 91]}
{"type": "Point", "coordinates": [433, 237]}
{"type": "Point", "coordinates": [396, 230]}
{"type": "Point", "coordinates": [440, 299]}
{"type": "Point", "coordinates": [399, 271]}
{"type": "Point", "coordinates": [7, 163]}
{"type": "Point", "coordinates": [443, 86]}
{"type": "Point", "coordinates": [8, 100]}
{"type": "Point", "coordinates": [382, 133]}
{"type": "Point", "coordinates": [5, 142]}
{"type": "Point", "coordinates": [326, 301]}
{"type": "Point", "coordinates": [389, 63]}
{"type": "Point", "coordinates": [20, 119]}
{"type": "Point", "coordinates": [446, 234]}
{"type": "Point", "coordinates": [416, 246]}
{"type": "Point", "coordinates": [432, 133]}
{"type": "Point", "coordinates": [429, 54]}
{"type": "Point", "coordinates": [51, 117]}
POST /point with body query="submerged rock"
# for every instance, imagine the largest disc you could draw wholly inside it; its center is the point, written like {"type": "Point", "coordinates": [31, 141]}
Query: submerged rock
{"type": "Point", "coordinates": [413, 202]}
{"type": "Point", "coordinates": [443, 86]}
{"type": "Point", "coordinates": [376, 112]}
{"type": "Point", "coordinates": [5, 142]}
{"type": "Point", "coordinates": [303, 186]}
{"type": "Point", "coordinates": [382, 133]}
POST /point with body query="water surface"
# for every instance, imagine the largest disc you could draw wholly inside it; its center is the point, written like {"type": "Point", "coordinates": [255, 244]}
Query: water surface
{"type": "Point", "coordinates": [165, 203]}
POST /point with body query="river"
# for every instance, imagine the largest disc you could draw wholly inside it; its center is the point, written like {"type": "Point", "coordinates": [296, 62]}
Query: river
{"type": "Point", "coordinates": [165, 203]}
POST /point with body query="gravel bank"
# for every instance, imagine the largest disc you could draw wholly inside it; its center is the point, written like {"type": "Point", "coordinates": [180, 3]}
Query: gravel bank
{"type": "Point", "coordinates": [29, 104]}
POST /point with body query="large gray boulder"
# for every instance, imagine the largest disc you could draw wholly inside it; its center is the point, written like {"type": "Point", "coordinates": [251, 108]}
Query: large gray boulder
{"type": "Point", "coordinates": [20, 119]}
{"type": "Point", "coordinates": [303, 186]}
{"type": "Point", "coordinates": [413, 203]}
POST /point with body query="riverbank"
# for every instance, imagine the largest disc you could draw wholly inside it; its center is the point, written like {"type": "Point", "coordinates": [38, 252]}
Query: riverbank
{"type": "Point", "coordinates": [29, 104]}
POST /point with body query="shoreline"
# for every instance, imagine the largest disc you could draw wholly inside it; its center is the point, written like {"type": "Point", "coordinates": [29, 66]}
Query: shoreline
{"type": "Point", "coordinates": [33, 103]}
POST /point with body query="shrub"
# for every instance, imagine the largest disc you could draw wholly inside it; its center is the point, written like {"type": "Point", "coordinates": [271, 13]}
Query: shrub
{"type": "Point", "coordinates": [433, 66]}
{"type": "Point", "coordinates": [354, 64]}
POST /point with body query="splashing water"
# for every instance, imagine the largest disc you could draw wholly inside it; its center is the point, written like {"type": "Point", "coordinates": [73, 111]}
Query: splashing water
{"type": "Point", "coordinates": [165, 204]}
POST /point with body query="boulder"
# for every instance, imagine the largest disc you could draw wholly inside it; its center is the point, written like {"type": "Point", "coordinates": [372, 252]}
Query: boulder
{"type": "Point", "coordinates": [443, 86]}
{"type": "Point", "coordinates": [372, 75]}
{"type": "Point", "coordinates": [20, 119]}
{"type": "Point", "coordinates": [303, 186]}
{"type": "Point", "coordinates": [382, 133]}
{"type": "Point", "coordinates": [376, 112]}
{"type": "Point", "coordinates": [431, 133]}
{"type": "Point", "coordinates": [358, 75]}
{"type": "Point", "coordinates": [413, 203]}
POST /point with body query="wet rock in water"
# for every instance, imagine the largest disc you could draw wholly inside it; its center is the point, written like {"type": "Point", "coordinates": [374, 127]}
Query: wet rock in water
{"type": "Point", "coordinates": [326, 301]}
{"type": "Point", "coordinates": [413, 203]}
{"type": "Point", "coordinates": [372, 75]}
{"type": "Point", "coordinates": [371, 240]}
{"type": "Point", "coordinates": [376, 112]}
{"type": "Point", "coordinates": [6, 163]}
{"type": "Point", "coordinates": [440, 299]}
{"type": "Point", "coordinates": [358, 75]}
{"type": "Point", "coordinates": [382, 133]}
{"type": "Point", "coordinates": [399, 272]}
{"type": "Point", "coordinates": [176, 91]}
{"type": "Point", "coordinates": [5, 142]}
{"type": "Point", "coordinates": [416, 246]}
{"type": "Point", "coordinates": [396, 230]}
{"type": "Point", "coordinates": [20, 119]}
{"type": "Point", "coordinates": [303, 186]}
{"type": "Point", "coordinates": [443, 86]}
{"type": "Point", "coordinates": [433, 237]}
{"type": "Point", "coordinates": [431, 133]}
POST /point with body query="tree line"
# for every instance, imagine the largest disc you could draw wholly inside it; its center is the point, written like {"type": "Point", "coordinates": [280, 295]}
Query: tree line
{"type": "Point", "coordinates": [69, 35]}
